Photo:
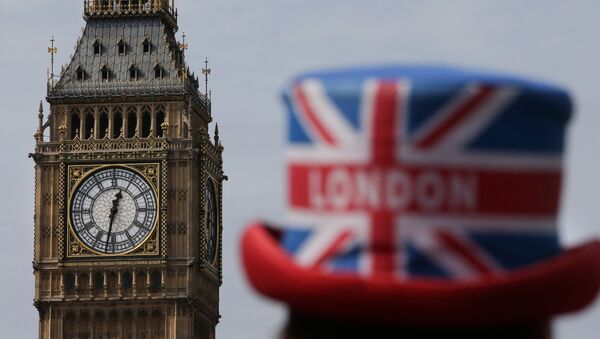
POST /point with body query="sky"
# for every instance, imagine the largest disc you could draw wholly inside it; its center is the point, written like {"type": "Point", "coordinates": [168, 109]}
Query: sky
{"type": "Point", "coordinates": [255, 47]}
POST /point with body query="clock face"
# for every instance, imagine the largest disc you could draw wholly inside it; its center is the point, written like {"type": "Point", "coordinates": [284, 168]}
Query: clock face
{"type": "Point", "coordinates": [211, 222]}
{"type": "Point", "coordinates": [113, 210]}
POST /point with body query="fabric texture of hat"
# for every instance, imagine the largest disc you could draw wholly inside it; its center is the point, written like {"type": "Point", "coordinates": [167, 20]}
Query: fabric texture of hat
{"type": "Point", "coordinates": [423, 195]}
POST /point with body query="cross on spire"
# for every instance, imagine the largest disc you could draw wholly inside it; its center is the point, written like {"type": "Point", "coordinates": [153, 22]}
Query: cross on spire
{"type": "Point", "coordinates": [206, 71]}
{"type": "Point", "coordinates": [183, 45]}
{"type": "Point", "coordinates": [52, 50]}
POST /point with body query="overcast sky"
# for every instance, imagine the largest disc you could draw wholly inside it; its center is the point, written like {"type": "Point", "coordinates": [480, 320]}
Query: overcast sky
{"type": "Point", "coordinates": [255, 46]}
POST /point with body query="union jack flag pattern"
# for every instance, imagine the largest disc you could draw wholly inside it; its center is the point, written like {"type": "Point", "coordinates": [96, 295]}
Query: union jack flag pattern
{"type": "Point", "coordinates": [423, 172]}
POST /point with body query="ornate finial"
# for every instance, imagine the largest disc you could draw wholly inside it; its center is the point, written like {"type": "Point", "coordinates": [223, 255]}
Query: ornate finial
{"type": "Point", "coordinates": [91, 134]}
{"type": "Point", "coordinates": [39, 135]}
{"type": "Point", "coordinates": [121, 132]}
{"type": "Point", "coordinates": [183, 46]}
{"type": "Point", "coordinates": [217, 141]}
{"type": "Point", "coordinates": [52, 50]}
{"type": "Point", "coordinates": [206, 71]}
{"type": "Point", "coordinates": [106, 134]}
{"type": "Point", "coordinates": [77, 133]}
{"type": "Point", "coordinates": [165, 127]}
{"type": "Point", "coordinates": [62, 129]}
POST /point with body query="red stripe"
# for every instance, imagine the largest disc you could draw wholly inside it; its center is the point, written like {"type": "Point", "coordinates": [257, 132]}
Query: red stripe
{"type": "Point", "coordinates": [497, 192]}
{"type": "Point", "coordinates": [335, 248]}
{"type": "Point", "coordinates": [462, 250]}
{"type": "Point", "coordinates": [453, 119]}
{"type": "Point", "coordinates": [312, 117]}
{"type": "Point", "coordinates": [383, 244]}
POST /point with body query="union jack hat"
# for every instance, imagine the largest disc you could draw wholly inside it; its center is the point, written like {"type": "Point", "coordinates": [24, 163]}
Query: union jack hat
{"type": "Point", "coordinates": [423, 195]}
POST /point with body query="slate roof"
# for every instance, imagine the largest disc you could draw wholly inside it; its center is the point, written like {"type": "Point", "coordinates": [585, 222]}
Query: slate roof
{"type": "Point", "coordinates": [132, 31]}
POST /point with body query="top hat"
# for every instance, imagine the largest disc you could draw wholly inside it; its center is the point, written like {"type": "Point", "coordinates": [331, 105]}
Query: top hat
{"type": "Point", "coordinates": [423, 195]}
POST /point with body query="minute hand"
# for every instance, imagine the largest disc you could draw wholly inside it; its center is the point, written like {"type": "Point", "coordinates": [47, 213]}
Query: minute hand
{"type": "Point", "coordinates": [113, 212]}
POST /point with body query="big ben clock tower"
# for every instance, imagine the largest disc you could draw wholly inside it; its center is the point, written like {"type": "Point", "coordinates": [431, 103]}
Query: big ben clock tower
{"type": "Point", "coordinates": [128, 185]}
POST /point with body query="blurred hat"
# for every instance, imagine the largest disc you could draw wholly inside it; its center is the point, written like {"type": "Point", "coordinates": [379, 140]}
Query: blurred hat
{"type": "Point", "coordinates": [423, 195]}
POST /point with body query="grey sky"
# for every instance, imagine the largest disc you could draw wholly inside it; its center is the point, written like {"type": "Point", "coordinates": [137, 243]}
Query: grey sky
{"type": "Point", "coordinates": [255, 47]}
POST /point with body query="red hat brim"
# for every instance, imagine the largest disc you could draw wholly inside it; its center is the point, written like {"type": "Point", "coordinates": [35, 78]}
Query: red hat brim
{"type": "Point", "coordinates": [559, 285]}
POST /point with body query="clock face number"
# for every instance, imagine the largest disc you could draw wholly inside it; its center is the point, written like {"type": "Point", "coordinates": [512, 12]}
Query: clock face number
{"type": "Point", "coordinates": [211, 222]}
{"type": "Point", "coordinates": [113, 210]}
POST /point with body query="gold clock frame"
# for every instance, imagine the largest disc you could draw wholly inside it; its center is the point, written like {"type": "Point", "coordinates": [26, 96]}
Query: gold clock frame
{"type": "Point", "coordinates": [151, 245]}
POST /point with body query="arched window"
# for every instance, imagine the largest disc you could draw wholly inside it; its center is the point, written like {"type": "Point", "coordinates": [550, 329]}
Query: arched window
{"type": "Point", "coordinates": [75, 123]}
{"type": "Point", "coordinates": [133, 73]}
{"type": "Point", "coordinates": [89, 125]}
{"type": "Point", "coordinates": [160, 119]}
{"type": "Point", "coordinates": [147, 46]}
{"type": "Point", "coordinates": [141, 283]}
{"type": "Point", "coordinates": [84, 283]}
{"type": "Point", "coordinates": [155, 281]}
{"type": "Point", "coordinates": [146, 122]}
{"type": "Point", "coordinates": [127, 281]}
{"type": "Point", "coordinates": [185, 130]}
{"type": "Point", "coordinates": [112, 283]}
{"type": "Point", "coordinates": [105, 73]}
{"type": "Point", "coordinates": [80, 74]}
{"type": "Point", "coordinates": [121, 47]}
{"type": "Point", "coordinates": [158, 72]}
{"type": "Point", "coordinates": [97, 46]}
{"type": "Point", "coordinates": [131, 123]}
{"type": "Point", "coordinates": [69, 283]}
{"type": "Point", "coordinates": [117, 123]}
{"type": "Point", "coordinates": [103, 132]}
{"type": "Point", "coordinates": [98, 282]}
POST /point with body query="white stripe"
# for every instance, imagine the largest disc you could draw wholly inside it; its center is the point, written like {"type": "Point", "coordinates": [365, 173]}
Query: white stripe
{"type": "Point", "coordinates": [444, 113]}
{"type": "Point", "coordinates": [425, 241]}
{"type": "Point", "coordinates": [316, 245]}
{"type": "Point", "coordinates": [330, 116]}
{"type": "Point", "coordinates": [484, 160]}
{"type": "Point", "coordinates": [477, 121]}
{"type": "Point", "coordinates": [361, 221]}
{"type": "Point", "coordinates": [489, 261]}
{"type": "Point", "coordinates": [301, 117]}
{"type": "Point", "coordinates": [496, 223]}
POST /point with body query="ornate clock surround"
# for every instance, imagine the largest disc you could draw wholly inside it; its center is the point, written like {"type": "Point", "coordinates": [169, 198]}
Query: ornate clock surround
{"type": "Point", "coordinates": [153, 246]}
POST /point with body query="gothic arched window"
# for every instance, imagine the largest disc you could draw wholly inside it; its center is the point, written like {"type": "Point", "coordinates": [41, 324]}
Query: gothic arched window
{"type": "Point", "coordinates": [105, 73]}
{"type": "Point", "coordinates": [117, 123]}
{"type": "Point", "coordinates": [147, 46]}
{"type": "Point", "coordinates": [89, 124]}
{"type": "Point", "coordinates": [155, 281]}
{"type": "Point", "coordinates": [133, 72]}
{"type": "Point", "coordinates": [121, 47]}
{"type": "Point", "coordinates": [131, 123]}
{"type": "Point", "coordinates": [146, 122]}
{"type": "Point", "coordinates": [98, 282]}
{"type": "Point", "coordinates": [160, 119]}
{"type": "Point", "coordinates": [158, 72]}
{"type": "Point", "coordinates": [97, 46]}
{"type": "Point", "coordinates": [80, 74]}
{"type": "Point", "coordinates": [103, 132]}
{"type": "Point", "coordinates": [75, 123]}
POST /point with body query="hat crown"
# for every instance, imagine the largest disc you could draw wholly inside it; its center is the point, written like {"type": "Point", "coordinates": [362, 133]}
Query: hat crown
{"type": "Point", "coordinates": [426, 160]}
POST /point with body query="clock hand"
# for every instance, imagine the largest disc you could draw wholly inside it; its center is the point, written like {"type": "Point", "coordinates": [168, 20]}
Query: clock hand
{"type": "Point", "coordinates": [113, 212]}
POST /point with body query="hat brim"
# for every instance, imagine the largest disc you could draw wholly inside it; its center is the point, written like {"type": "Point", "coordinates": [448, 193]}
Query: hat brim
{"type": "Point", "coordinates": [559, 285]}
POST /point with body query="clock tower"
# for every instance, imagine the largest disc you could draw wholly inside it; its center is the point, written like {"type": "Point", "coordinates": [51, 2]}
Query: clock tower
{"type": "Point", "coordinates": [128, 185]}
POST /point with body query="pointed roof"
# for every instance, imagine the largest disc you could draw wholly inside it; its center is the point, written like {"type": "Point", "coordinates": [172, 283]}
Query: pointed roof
{"type": "Point", "coordinates": [109, 28]}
